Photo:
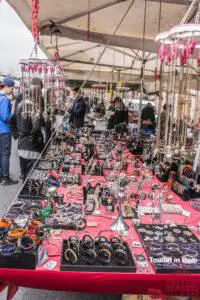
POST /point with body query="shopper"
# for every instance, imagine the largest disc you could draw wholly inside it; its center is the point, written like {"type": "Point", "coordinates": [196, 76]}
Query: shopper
{"type": "Point", "coordinates": [119, 115]}
{"type": "Point", "coordinates": [5, 135]}
{"type": "Point", "coordinates": [77, 110]}
{"type": "Point", "coordinates": [148, 117]}
{"type": "Point", "coordinates": [95, 106]}
{"type": "Point", "coordinates": [163, 120]}
{"type": "Point", "coordinates": [30, 138]}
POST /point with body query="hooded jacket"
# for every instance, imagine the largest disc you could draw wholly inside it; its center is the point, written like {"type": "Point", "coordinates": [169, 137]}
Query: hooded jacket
{"type": "Point", "coordinates": [5, 113]}
{"type": "Point", "coordinates": [77, 113]}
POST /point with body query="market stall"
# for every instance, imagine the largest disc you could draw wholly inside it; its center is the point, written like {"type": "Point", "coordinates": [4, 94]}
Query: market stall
{"type": "Point", "coordinates": [112, 211]}
{"type": "Point", "coordinates": [93, 218]}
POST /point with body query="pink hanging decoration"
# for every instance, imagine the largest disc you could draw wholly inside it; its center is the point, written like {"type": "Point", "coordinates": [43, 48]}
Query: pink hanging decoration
{"type": "Point", "coordinates": [52, 69]}
{"type": "Point", "coordinates": [36, 68]}
{"type": "Point", "coordinates": [40, 70]}
{"type": "Point", "coordinates": [183, 58]}
{"type": "Point", "coordinates": [46, 69]}
{"type": "Point", "coordinates": [168, 59]}
{"type": "Point", "coordinates": [32, 69]}
{"type": "Point", "coordinates": [185, 55]}
{"type": "Point", "coordinates": [174, 49]}
{"type": "Point", "coordinates": [162, 52]}
{"type": "Point", "coordinates": [193, 44]}
{"type": "Point", "coordinates": [187, 51]}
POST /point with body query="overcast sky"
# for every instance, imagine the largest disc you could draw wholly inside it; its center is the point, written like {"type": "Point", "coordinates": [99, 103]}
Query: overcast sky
{"type": "Point", "coordinates": [16, 40]}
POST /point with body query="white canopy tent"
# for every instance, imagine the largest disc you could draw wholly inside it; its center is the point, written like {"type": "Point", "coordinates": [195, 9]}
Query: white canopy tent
{"type": "Point", "coordinates": [68, 20]}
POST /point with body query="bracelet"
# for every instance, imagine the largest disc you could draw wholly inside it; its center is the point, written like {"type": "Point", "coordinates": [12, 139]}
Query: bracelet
{"type": "Point", "coordinates": [5, 222]}
{"type": "Point", "coordinates": [87, 237]}
{"type": "Point", "coordinates": [89, 207]}
{"type": "Point", "coordinates": [121, 256]}
{"type": "Point", "coordinates": [192, 253]}
{"type": "Point", "coordinates": [155, 246]}
{"type": "Point", "coordinates": [187, 233]}
{"type": "Point", "coordinates": [87, 244]}
{"type": "Point", "coordinates": [172, 247]}
{"type": "Point", "coordinates": [3, 231]}
{"type": "Point", "coordinates": [16, 233]}
{"type": "Point", "coordinates": [102, 239]}
{"type": "Point", "coordinates": [75, 247]}
{"type": "Point", "coordinates": [71, 256]}
{"type": "Point", "coordinates": [41, 234]}
{"type": "Point", "coordinates": [8, 249]}
{"type": "Point", "coordinates": [89, 256]}
{"type": "Point", "coordinates": [115, 239]}
{"type": "Point", "coordinates": [74, 239]}
{"type": "Point", "coordinates": [34, 237]}
{"type": "Point", "coordinates": [35, 224]}
{"type": "Point", "coordinates": [117, 246]}
{"type": "Point", "coordinates": [82, 225]}
{"type": "Point", "coordinates": [104, 256]}
{"type": "Point", "coordinates": [156, 253]}
{"type": "Point", "coordinates": [27, 244]}
{"type": "Point", "coordinates": [106, 246]}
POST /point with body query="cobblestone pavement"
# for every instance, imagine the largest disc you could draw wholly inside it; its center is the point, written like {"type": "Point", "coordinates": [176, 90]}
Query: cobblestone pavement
{"type": "Point", "coordinates": [7, 195]}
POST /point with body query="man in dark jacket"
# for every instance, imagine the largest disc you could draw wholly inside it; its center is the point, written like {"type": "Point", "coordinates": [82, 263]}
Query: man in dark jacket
{"type": "Point", "coordinates": [148, 116]}
{"type": "Point", "coordinates": [5, 136]}
{"type": "Point", "coordinates": [77, 111]}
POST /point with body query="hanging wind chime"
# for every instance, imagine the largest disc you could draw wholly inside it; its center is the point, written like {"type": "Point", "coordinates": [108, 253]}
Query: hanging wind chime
{"type": "Point", "coordinates": [177, 49]}
{"type": "Point", "coordinates": [36, 71]}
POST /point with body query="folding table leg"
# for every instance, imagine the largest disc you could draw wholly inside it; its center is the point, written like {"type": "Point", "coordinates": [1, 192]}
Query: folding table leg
{"type": "Point", "coordinates": [12, 289]}
{"type": "Point", "coordinates": [3, 286]}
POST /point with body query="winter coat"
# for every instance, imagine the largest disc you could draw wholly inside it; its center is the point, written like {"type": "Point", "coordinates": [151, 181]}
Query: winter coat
{"type": "Point", "coordinates": [29, 131]}
{"type": "Point", "coordinates": [77, 113]}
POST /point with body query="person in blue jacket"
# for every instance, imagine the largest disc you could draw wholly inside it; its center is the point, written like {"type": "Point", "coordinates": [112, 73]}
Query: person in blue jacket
{"type": "Point", "coordinates": [5, 135]}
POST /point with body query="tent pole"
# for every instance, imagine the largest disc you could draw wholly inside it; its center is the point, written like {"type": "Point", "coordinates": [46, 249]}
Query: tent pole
{"type": "Point", "coordinates": [142, 67]}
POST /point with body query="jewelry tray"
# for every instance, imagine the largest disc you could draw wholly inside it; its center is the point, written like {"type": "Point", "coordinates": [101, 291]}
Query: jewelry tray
{"type": "Point", "coordinates": [65, 226]}
{"type": "Point", "coordinates": [20, 260]}
{"type": "Point", "coordinates": [25, 194]}
{"type": "Point", "coordinates": [81, 266]}
{"type": "Point", "coordinates": [171, 261]}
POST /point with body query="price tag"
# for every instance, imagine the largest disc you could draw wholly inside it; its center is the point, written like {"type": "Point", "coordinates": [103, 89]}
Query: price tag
{"type": "Point", "coordinates": [136, 244]}
{"type": "Point", "coordinates": [136, 221]}
{"type": "Point", "coordinates": [50, 265]}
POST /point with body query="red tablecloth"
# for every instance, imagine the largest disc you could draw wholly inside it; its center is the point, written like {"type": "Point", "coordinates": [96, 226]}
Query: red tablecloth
{"type": "Point", "coordinates": [118, 283]}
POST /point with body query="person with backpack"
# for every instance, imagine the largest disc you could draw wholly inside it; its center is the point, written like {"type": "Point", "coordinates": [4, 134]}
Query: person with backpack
{"type": "Point", "coordinates": [5, 132]}
{"type": "Point", "coordinates": [29, 123]}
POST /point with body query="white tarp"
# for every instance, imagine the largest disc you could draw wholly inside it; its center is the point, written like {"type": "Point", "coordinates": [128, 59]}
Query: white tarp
{"type": "Point", "coordinates": [78, 55]}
